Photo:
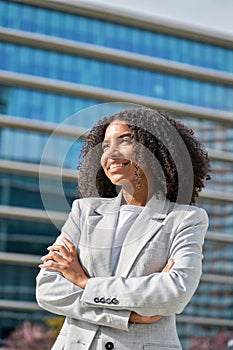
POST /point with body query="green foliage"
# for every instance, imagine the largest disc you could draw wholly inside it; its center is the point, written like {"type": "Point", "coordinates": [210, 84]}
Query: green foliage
{"type": "Point", "coordinates": [55, 324]}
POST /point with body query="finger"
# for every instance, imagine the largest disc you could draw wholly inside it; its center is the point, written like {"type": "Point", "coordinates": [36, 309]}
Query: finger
{"type": "Point", "coordinates": [169, 265]}
{"type": "Point", "coordinates": [60, 249]}
{"type": "Point", "coordinates": [69, 245]}
{"type": "Point", "coordinates": [55, 256]}
{"type": "Point", "coordinates": [51, 265]}
{"type": "Point", "coordinates": [156, 318]}
{"type": "Point", "coordinates": [45, 257]}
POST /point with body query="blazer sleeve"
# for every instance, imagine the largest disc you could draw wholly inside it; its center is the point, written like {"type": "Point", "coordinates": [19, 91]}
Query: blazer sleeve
{"type": "Point", "coordinates": [161, 293]}
{"type": "Point", "coordinates": [56, 294]}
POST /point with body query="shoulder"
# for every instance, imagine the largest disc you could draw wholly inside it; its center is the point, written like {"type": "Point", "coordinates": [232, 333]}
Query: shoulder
{"type": "Point", "coordinates": [188, 214]}
{"type": "Point", "coordinates": [186, 222]}
{"type": "Point", "coordinates": [90, 204]}
{"type": "Point", "coordinates": [196, 214]}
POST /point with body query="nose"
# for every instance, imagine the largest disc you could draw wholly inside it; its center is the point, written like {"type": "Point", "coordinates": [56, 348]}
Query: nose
{"type": "Point", "coordinates": [113, 151]}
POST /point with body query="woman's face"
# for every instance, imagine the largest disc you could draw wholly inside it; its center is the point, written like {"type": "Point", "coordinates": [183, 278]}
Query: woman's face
{"type": "Point", "coordinates": [117, 159]}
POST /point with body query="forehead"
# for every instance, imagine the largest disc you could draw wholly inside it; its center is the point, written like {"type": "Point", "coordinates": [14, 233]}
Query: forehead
{"type": "Point", "coordinates": [116, 128]}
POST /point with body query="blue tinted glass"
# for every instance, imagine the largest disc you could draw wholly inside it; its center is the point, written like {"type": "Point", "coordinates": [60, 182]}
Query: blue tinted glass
{"type": "Point", "coordinates": [56, 23]}
{"type": "Point", "coordinates": [216, 210]}
{"type": "Point", "coordinates": [33, 104]}
{"type": "Point", "coordinates": [209, 300]}
{"type": "Point", "coordinates": [40, 20]}
{"type": "Point", "coordinates": [116, 77]}
{"type": "Point", "coordinates": [14, 288]}
{"type": "Point", "coordinates": [54, 107]}
{"type": "Point", "coordinates": [221, 179]}
{"type": "Point", "coordinates": [22, 16]}
{"type": "Point", "coordinates": [27, 19]}
{"type": "Point", "coordinates": [28, 147]}
{"type": "Point", "coordinates": [12, 15]}
{"type": "Point", "coordinates": [3, 14]}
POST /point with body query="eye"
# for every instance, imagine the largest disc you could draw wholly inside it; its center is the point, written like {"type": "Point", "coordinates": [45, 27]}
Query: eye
{"type": "Point", "coordinates": [127, 141]}
{"type": "Point", "coordinates": [105, 147]}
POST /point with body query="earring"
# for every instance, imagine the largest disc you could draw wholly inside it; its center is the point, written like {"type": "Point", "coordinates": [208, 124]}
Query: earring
{"type": "Point", "coordinates": [137, 177]}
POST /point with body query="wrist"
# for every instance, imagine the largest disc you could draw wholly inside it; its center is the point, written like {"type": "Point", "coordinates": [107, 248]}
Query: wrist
{"type": "Point", "coordinates": [83, 283]}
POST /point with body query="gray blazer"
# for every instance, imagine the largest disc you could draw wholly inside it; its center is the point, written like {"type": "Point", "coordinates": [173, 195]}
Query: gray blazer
{"type": "Point", "coordinates": [97, 317]}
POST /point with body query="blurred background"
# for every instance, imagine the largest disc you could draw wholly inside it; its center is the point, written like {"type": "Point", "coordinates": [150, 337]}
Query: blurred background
{"type": "Point", "coordinates": [64, 62]}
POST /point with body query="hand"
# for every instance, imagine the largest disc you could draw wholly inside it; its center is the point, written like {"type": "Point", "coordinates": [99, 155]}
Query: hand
{"type": "Point", "coordinates": [168, 266]}
{"type": "Point", "coordinates": [65, 260]}
{"type": "Point", "coordinates": [136, 318]}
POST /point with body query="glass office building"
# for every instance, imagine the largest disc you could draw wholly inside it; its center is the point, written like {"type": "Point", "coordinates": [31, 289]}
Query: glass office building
{"type": "Point", "coordinates": [59, 59]}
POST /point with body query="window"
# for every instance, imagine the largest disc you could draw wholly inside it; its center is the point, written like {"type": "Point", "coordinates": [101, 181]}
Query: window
{"type": "Point", "coordinates": [129, 38]}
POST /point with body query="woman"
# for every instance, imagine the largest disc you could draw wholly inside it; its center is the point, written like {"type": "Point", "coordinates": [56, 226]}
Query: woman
{"type": "Point", "coordinates": [129, 256]}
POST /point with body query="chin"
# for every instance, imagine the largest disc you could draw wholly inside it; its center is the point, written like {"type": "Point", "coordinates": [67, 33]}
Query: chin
{"type": "Point", "coordinates": [124, 183]}
{"type": "Point", "coordinates": [117, 182]}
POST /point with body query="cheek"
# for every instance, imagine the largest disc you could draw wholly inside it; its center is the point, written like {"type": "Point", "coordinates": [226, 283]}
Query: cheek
{"type": "Point", "coordinates": [102, 160]}
{"type": "Point", "coordinates": [129, 154]}
{"type": "Point", "coordinates": [103, 163]}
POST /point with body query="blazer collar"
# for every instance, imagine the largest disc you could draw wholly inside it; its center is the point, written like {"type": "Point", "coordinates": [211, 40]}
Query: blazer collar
{"type": "Point", "coordinates": [108, 205]}
{"type": "Point", "coordinates": [142, 231]}
{"type": "Point", "coordinates": [104, 223]}
{"type": "Point", "coordinates": [157, 207]}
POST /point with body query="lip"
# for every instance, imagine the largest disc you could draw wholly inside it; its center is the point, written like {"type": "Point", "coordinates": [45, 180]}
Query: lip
{"type": "Point", "coordinates": [116, 166]}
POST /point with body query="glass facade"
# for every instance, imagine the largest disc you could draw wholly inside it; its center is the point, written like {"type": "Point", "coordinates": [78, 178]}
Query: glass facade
{"type": "Point", "coordinates": [107, 75]}
{"type": "Point", "coordinates": [23, 236]}
{"type": "Point", "coordinates": [40, 105]}
{"type": "Point", "coordinates": [103, 33]}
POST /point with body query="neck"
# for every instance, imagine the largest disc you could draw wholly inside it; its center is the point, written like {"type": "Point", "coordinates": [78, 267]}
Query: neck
{"type": "Point", "coordinates": [134, 199]}
{"type": "Point", "coordinates": [137, 196]}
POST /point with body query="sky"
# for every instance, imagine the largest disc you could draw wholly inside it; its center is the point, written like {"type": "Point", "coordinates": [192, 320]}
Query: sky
{"type": "Point", "coordinates": [215, 15]}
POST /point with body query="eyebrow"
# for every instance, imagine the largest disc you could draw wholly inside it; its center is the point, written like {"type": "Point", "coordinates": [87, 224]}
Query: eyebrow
{"type": "Point", "coordinates": [125, 135]}
{"type": "Point", "coordinates": [128, 134]}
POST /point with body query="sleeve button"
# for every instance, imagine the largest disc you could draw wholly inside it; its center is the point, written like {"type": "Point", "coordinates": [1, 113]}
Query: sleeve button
{"type": "Point", "coordinates": [96, 300]}
{"type": "Point", "coordinates": [109, 345]}
{"type": "Point", "coordinates": [115, 301]}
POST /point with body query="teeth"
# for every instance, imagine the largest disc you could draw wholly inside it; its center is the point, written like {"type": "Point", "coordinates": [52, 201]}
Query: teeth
{"type": "Point", "coordinates": [115, 165]}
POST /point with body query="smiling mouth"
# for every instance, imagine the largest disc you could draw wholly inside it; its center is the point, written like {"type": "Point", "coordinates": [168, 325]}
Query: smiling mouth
{"type": "Point", "coordinates": [118, 165]}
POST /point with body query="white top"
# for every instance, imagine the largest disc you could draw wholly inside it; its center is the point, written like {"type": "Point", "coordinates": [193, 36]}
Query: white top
{"type": "Point", "coordinates": [127, 216]}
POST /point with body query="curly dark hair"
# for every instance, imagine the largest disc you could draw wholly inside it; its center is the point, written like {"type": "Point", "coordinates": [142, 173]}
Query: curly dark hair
{"type": "Point", "coordinates": [177, 160]}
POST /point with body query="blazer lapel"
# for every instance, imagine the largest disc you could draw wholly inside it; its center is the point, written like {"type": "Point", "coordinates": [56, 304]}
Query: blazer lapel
{"type": "Point", "coordinates": [101, 227]}
{"type": "Point", "coordinates": [145, 227]}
